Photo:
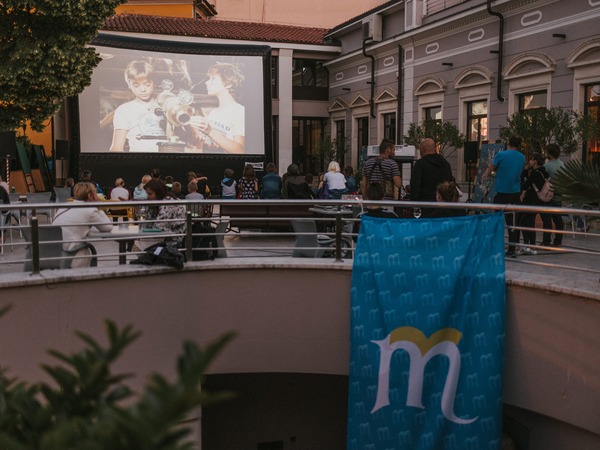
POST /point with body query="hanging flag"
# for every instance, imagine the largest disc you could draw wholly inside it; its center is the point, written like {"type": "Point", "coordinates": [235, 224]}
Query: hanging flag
{"type": "Point", "coordinates": [427, 334]}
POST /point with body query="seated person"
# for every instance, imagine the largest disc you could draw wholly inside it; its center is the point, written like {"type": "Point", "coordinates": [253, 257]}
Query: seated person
{"type": "Point", "coordinates": [76, 223]}
{"type": "Point", "coordinates": [193, 193]}
{"type": "Point", "coordinates": [374, 192]}
{"type": "Point", "coordinates": [271, 184]}
{"type": "Point", "coordinates": [161, 217]}
{"type": "Point", "coordinates": [447, 192]}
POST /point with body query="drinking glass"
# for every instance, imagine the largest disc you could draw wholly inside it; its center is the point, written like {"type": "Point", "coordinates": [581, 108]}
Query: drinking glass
{"type": "Point", "coordinates": [417, 212]}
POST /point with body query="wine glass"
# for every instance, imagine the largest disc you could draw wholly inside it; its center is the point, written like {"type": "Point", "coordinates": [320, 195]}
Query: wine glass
{"type": "Point", "coordinates": [417, 212]}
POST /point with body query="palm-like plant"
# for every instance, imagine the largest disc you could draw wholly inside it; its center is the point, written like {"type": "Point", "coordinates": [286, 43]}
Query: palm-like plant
{"type": "Point", "coordinates": [578, 182]}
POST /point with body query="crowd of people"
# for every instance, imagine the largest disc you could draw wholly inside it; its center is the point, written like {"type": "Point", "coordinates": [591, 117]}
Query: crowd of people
{"type": "Point", "coordinates": [517, 180]}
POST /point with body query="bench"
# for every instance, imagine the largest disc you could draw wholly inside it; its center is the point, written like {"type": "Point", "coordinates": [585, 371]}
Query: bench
{"type": "Point", "coordinates": [262, 216]}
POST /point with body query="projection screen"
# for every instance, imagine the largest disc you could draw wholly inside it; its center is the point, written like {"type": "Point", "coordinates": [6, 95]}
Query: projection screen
{"type": "Point", "coordinates": [152, 101]}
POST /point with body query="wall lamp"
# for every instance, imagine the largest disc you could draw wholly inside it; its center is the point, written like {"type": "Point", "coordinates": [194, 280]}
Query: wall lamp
{"type": "Point", "coordinates": [559, 35]}
{"type": "Point", "coordinates": [448, 64]}
{"type": "Point", "coordinates": [346, 89]}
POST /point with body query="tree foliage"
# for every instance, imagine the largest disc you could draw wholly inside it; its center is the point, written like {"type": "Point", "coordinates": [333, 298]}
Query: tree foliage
{"type": "Point", "coordinates": [44, 55]}
{"type": "Point", "coordinates": [90, 408]}
{"type": "Point", "coordinates": [445, 134]}
{"type": "Point", "coordinates": [540, 127]}
{"type": "Point", "coordinates": [332, 150]}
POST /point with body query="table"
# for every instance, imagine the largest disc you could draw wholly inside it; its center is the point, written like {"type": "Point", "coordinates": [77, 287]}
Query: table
{"type": "Point", "coordinates": [330, 212]}
{"type": "Point", "coordinates": [123, 233]}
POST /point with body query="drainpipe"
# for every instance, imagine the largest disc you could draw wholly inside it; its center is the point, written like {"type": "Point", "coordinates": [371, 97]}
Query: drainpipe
{"type": "Point", "coordinates": [500, 47]}
{"type": "Point", "coordinates": [372, 82]}
{"type": "Point", "coordinates": [400, 97]}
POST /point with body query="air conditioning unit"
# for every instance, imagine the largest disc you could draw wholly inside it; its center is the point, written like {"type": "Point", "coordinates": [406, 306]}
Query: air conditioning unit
{"type": "Point", "coordinates": [372, 28]}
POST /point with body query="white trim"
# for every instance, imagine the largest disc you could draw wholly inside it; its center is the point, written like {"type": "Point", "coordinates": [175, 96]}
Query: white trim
{"type": "Point", "coordinates": [436, 81]}
{"type": "Point", "coordinates": [511, 71]}
{"type": "Point", "coordinates": [476, 35]}
{"type": "Point", "coordinates": [575, 57]}
{"type": "Point", "coordinates": [432, 48]}
{"type": "Point", "coordinates": [531, 18]}
{"type": "Point", "coordinates": [485, 74]}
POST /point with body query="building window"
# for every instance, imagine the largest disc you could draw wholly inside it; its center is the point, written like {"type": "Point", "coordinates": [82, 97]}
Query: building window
{"type": "Point", "coordinates": [433, 113]}
{"type": "Point", "coordinates": [532, 100]}
{"type": "Point", "coordinates": [362, 127]}
{"type": "Point", "coordinates": [309, 80]}
{"type": "Point", "coordinates": [477, 122]}
{"type": "Point", "coordinates": [592, 107]}
{"type": "Point", "coordinates": [306, 136]}
{"type": "Point", "coordinates": [389, 126]}
{"type": "Point", "coordinates": [340, 137]}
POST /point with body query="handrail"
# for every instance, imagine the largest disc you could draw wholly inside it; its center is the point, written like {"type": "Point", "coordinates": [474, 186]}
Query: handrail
{"type": "Point", "coordinates": [334, 226]}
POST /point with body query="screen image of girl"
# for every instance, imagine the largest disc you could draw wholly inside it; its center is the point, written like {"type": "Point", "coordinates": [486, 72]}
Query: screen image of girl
{"type": "Point", "coordinates": [135, 122]}
{"type": "Point", "coordinates": [224, 126]}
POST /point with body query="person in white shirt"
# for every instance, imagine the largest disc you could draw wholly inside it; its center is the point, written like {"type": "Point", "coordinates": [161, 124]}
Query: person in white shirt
{"type": "Point", "coordinates": [76, 223]}
{"type": "Point", "coordinates": [119, 193]}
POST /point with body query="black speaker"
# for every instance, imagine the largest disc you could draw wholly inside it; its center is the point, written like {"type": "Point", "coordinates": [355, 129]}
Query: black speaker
{"type": "Point", "coordinates": [8, 144]}
{"type": "Point", "coordinates": [470, 152]}
{"type": "Point", "coordinates": [62, 149]}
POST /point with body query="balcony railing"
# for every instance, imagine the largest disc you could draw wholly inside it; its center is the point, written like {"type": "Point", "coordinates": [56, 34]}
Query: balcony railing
{"type": "Point", "coordinates": [271, 229]}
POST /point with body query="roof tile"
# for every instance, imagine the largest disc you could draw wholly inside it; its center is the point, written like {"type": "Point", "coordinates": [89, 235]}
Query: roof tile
{"type": "Point", "coordinates": [220, 29]}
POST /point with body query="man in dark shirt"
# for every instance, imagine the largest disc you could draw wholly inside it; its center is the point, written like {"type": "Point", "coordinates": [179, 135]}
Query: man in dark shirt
{"type": "Point", "coordinates": [428, 172]}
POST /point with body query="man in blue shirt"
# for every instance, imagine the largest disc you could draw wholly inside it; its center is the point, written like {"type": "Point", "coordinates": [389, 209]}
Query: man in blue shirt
{"type": "Point", "coordinates": [507, 166]}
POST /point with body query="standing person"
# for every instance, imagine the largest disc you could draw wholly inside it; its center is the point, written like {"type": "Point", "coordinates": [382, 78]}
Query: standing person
{"type": "Point", "coordinates": [382, 169]}
{"type": "Point", "coordinates": [427, 174]}
{"type": "Point", "coordinates": [76, 223]}
{"type": "Point", "coordinates": [224, 127]}
{"type": "Point", "coordinates": [335, 180]}
{"type": "Point", "coordinates": [248, 184]}
{"type": "Point", "coordinates": [271, 183]}
{"type": "Point", "coordinates": [135, 122]}
{"type": "Point", "coordinates": [552, 166]}
{"type": "Point", "coordinates": [532, 182]}
{"type": "Point", "coordinates": [507, 166]}
{"type": "Point", "coordinates": [228, 185]}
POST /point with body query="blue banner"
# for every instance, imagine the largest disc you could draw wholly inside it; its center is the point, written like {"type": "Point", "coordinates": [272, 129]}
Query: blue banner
{"type": "Point", "coordinates": [427, 334]}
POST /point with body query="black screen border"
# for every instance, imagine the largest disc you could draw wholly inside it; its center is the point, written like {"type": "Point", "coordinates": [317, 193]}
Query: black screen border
{"type": "Point", "coordinates": [100, 162]}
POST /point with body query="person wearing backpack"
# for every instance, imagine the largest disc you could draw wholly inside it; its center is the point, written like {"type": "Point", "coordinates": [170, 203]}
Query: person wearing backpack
{"type": "Point", "coordinates": [382, 169]}
{"type": "Point", "coordinates": [535, 175]}
{"type": "Point", "coordinates": [553, 165]}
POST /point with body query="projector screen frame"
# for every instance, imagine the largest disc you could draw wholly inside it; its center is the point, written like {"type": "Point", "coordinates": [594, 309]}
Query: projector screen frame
{"type": "Point", "coordinates": [129, 162]}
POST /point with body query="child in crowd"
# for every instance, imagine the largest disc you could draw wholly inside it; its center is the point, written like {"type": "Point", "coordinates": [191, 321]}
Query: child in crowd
{"type": "Point", "coordinates": [447, 192]}
{"type": "Point", "coordinates": [135, 122]}
{"type": "Point", "coordinates": [309, 180]}
{"type": "Point", "coordinates": [248, 184]}
{"type": "Point", "coordinates": [271, 183]}
{"type": "Point", "coordinates": [228, 185]}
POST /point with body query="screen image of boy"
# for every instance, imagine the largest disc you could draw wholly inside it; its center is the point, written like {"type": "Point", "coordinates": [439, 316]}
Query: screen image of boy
{"type": "Point", "coordinates": [135, 123]}
{"type": "Point", "coordinates": [224, 126]}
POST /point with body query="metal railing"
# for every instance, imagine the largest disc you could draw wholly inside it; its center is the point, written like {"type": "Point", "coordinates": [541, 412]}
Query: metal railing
{"type": "Point", "coordinates": [246, 234]}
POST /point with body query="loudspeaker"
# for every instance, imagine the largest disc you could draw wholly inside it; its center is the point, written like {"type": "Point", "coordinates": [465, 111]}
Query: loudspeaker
{"type": "Point", "coordinates": [470, 152]}
{"type": "Point", "coordinates": [62, 149]}
{"type": "Point", "coordinates": [8, 144]}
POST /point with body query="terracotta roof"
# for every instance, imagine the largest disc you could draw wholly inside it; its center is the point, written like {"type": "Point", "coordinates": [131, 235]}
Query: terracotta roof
{"type": "Point", "coordinates": [219, 29]}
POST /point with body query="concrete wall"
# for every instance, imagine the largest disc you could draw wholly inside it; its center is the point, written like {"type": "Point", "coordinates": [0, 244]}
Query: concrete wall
{"type": "Point", "coordinates": [293, 318]}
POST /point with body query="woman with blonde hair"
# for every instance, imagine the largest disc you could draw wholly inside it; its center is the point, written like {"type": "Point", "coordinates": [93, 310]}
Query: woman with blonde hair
{"type": "Point", "coordinates": [335, 181]}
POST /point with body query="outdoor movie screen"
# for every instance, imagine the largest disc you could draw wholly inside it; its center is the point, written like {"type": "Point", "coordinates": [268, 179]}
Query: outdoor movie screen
{"type": "Point", "coordinates": [146, 101]}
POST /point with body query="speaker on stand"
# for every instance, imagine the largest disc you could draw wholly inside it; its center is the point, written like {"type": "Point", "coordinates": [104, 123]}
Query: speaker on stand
{"type": "Point", "coordinates": [61, 154]}
{"type": "Point", "coordinates": [470, 157]}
